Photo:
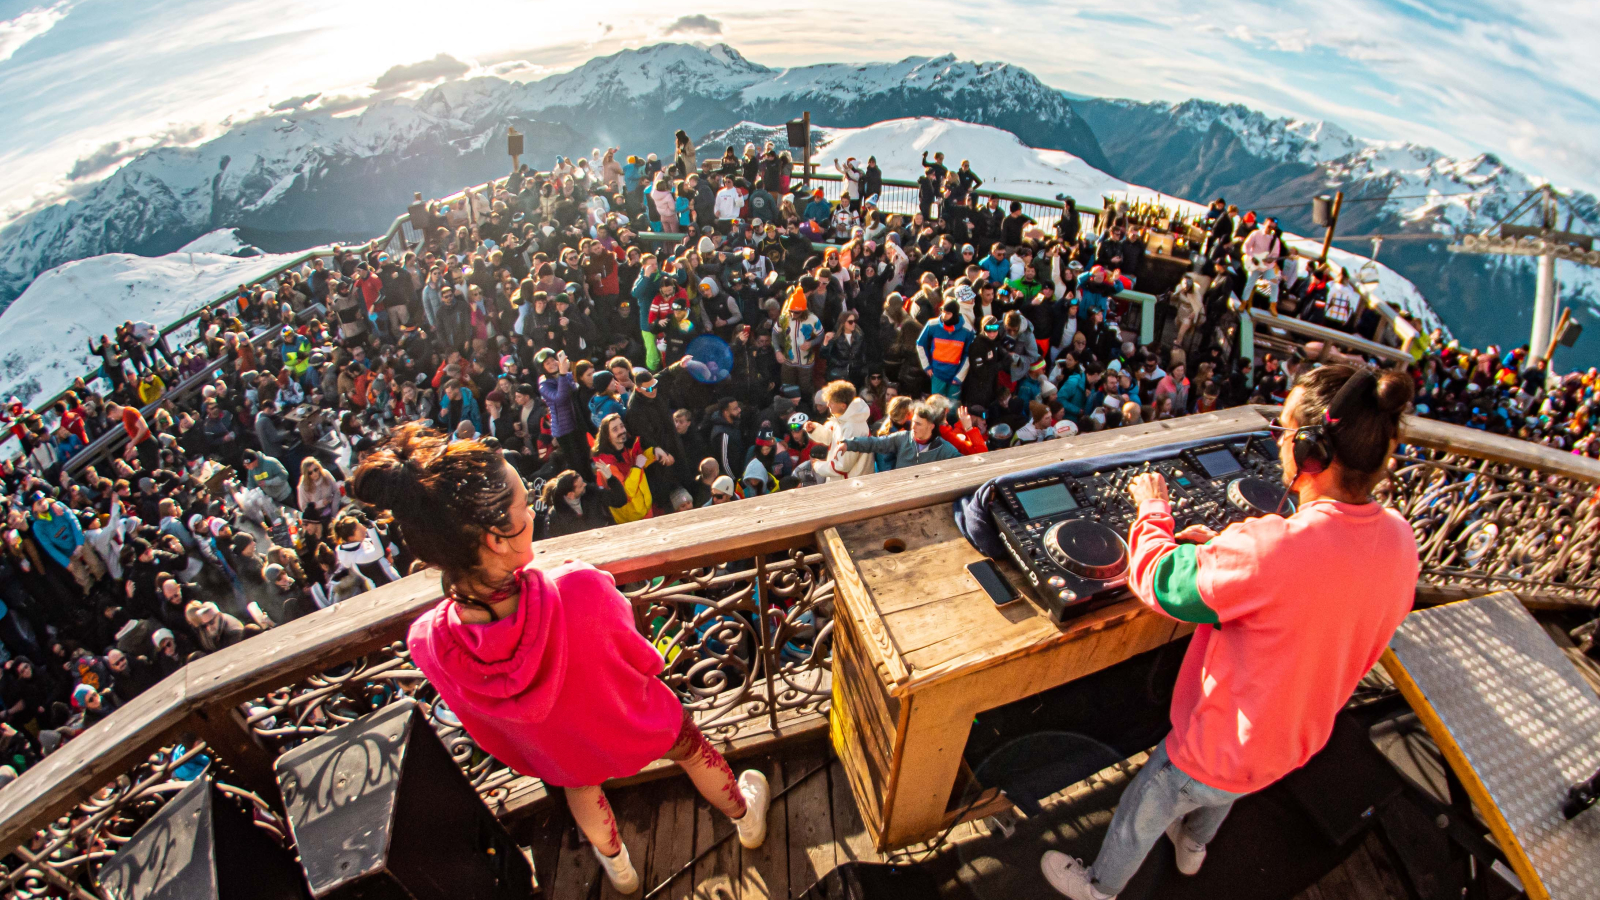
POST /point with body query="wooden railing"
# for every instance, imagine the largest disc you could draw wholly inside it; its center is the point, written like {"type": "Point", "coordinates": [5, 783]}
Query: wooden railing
{"type": "Point", "coordinates": [1451, 480]}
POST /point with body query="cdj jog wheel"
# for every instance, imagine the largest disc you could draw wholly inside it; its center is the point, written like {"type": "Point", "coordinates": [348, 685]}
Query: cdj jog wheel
{"type": "Point", "coordinates": [1087, 548]}
{"type": "Point", "coordinates": [1257, 496]}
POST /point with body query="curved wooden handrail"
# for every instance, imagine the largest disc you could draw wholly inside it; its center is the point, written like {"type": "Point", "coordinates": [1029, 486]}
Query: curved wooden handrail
{"type": "Point", "coordinates": [199, 695]}
{"type": "Point", "coordinates": [379, 617]}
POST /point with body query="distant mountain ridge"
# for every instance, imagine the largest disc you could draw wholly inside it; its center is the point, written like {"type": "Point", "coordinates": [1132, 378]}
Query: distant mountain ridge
{"type": "Point", "coordinates": [1201, 150]}
{"type": "Point", "coordinates": [301, 178]}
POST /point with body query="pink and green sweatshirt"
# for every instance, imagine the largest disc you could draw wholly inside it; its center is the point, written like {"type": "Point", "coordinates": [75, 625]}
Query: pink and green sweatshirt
{"type": "Point", "coordinates": [1292, 613]}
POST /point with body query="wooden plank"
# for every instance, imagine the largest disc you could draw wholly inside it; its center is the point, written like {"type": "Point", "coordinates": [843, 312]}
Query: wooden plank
{"type": "Point", "coordinates": [576, 867]}
{"type": "Point", "coordinates": [715, 876]}
{"type": "Point", "coordinates": [764, 872]}
{"type": "Point", "coordinates": [1483, 445]}
{"type": "Point", "coordinates": [673, 839]}
{"type": "Point", "coordinates": [1088, 644]}
{"type": "Point", "coordinates": [856, 603]}
{"type": "Point", "coordinates": [1504, 837]}
{"type": "Point", "coordinates": [635, 812]}
{"type": "Point", "coordinates": [811, 840]}
{"type": "Point", "coordinates": [853, 843]}
{"type": "Point", "coordinates": [936, 723]}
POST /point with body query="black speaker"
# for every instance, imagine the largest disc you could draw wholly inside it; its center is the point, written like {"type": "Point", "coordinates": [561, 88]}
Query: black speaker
{"type": "Point", "coordinates": [418, 214]}
{"type": "Point", "coordinates": [1570, 334]}
{"type": "Point", "coordinates": [1322, 211]}
{"type": "Point", "coordinates": [202, 846]}
{"type": "Point", "coordinates": [379, 810]}
{"type": "Point", "coordinates": [798, 138]}
{"type": "Point", "coordinates": [513, 143]}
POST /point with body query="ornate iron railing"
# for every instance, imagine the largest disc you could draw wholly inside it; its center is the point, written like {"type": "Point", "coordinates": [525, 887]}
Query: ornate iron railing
{"type": "Point", "coordinates": [62, 859]}
{"type": "Point", "coordinates": [1484, 526]}
{"type": "Point", "coordinates": [747, 646]}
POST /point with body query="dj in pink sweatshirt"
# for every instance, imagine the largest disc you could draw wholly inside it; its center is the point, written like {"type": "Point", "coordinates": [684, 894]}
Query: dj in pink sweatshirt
{"type": "Point", "coordinates": [564, 689]}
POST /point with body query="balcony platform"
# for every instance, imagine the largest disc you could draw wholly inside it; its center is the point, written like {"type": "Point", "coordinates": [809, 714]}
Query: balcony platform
{"type": "Point", "coordinates": [816, 827]}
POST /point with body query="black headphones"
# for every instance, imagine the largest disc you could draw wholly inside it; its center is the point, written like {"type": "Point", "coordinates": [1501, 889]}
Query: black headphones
{"type": "Point", "coordinates": [1314, 445]}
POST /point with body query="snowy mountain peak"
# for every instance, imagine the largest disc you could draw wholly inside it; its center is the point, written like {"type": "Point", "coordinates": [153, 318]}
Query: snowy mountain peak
{"type": "Point", "coordinates": [714, 70]}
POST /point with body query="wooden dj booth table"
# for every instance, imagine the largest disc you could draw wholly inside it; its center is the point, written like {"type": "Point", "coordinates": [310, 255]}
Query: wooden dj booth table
{"type": "Point", "coordinates": [919, 649]}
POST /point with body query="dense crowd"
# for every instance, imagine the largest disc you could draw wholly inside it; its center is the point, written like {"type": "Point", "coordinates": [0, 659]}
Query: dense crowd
{"type": "Point", "coordinates": [559, 320]}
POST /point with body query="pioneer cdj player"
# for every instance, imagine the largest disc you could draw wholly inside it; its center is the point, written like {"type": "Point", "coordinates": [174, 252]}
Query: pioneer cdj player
{"type": "Point", "coordinates": [1068, 533]}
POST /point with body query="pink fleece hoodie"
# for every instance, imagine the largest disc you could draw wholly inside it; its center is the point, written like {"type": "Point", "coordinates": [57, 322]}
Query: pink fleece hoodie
{"type": "Point", "coordinates": [565, 689]}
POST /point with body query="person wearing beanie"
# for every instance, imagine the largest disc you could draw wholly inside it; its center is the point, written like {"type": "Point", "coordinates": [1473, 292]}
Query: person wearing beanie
{"type": "Point", "coordinates": [942, 350]}
{"type": "Point", "coordinates": [723, 490]}
{"type": "Point", "coordinates": [606, 399]}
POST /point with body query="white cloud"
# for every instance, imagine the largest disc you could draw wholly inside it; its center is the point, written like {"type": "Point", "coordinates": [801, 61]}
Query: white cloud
{"type": "Point", "coordinates": [18, 31]}
{"type": "Point", "coordinates": [699, 23]}
{"type": "Point", "coordinates": [442, 66]}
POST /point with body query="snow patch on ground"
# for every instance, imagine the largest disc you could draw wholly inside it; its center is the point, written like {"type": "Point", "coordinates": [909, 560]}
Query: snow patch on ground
{"type": "Point", "coordinates": [44, 335]}
{"type": "Point", "coordinates": [1009, 166]}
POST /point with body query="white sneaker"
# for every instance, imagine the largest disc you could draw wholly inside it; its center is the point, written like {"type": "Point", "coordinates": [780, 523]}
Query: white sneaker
{"type": "Point", "coordinates": [1191, 853]}
{"type": "Point", "coordinates": [1070, 877]}
{"type": "Point", "coordinates": [619, 869]}
{"type": "Point", "coordinates": [757, 797]}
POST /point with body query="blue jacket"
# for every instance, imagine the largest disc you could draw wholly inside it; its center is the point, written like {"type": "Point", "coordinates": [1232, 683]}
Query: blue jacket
{"type": "Point", "coordinates": [469, 409]}
{"type": "Point", "coordinates": [820, 211]}
{"type": "Point", "coordinates": [58, 533]}
{"type": "Point", "coordinates": [644, 290]}
{"type": "Point", "coordinates": [999, 269]}
{"type": "Point", "coordinates": [1074, 395]}
{"type": "Point", "coordinates": [602, 405]}
{"type": "Point", "coordinates": [944, 351]}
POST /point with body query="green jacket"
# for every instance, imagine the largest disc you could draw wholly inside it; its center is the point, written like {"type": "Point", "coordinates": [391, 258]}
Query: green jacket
{"type": "Point", "coordinates": [271, 477]}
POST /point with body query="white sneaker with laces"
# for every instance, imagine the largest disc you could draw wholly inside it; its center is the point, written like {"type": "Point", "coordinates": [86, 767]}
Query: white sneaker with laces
{"type": "Point", "coordinates": [1191, 853]}
{"type": "Point", "coordinates": [619, 869]}
{"type": "Point", "coordinates": [1070, 877]}
{"type": "Point", "coordinates": [757, 797]}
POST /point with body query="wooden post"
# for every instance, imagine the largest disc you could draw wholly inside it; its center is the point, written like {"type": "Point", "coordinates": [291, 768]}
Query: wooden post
{"type": "Point", "coordinates": [1333, 222]}
{"type": "Point", "coordinates": [805, 117]}
{"type": "Point", "coordinates": [232, 742]}
{"type": "Point", "coordinates": [1555, 336]}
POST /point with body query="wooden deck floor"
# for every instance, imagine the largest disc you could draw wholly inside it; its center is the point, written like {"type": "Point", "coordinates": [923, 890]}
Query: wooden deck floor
{"type": "Point", "coordinates": [814, 827]}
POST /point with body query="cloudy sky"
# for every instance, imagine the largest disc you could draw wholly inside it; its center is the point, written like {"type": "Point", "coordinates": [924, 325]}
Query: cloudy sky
{"type": "Point", "coordinates": [86, 83]}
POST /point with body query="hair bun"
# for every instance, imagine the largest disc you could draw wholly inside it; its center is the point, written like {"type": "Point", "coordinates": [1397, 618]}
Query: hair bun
{"type": "Point", "coordinates": [1393, 392]}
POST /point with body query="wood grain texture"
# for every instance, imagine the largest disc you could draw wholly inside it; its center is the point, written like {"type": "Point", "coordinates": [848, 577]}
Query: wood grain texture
{"type": "Point", "coordinates": [1444, 436]}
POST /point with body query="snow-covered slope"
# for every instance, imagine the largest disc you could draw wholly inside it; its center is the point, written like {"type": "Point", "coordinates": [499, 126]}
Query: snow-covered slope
{"type": "Point", "coordinates": [44, 342]}
{"type": "Point", "coordinates": [1202, 150]}
{"type": "Point", "coordinates": [307, 177]}
{"type": "Point", "coordinates": [1009, 166]}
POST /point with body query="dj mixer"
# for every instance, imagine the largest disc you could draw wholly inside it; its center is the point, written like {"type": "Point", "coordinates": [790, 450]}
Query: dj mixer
{"type": "Point", "coordinates": [1068, 533]}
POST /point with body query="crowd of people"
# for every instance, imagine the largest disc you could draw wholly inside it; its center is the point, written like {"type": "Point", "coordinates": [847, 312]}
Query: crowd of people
{"type": "Point", "coordinates": [554, 321]}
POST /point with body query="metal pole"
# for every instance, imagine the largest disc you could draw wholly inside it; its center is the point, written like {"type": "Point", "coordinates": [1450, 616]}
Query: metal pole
{"type": "Point", "coordinates": [806, 166]}
{"type": "Point", "coordinates": [1544, 303]}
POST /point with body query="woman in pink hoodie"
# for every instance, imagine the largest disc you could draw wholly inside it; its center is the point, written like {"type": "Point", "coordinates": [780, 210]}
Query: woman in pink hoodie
{"type": "Point", "coordinates": [544, 669]}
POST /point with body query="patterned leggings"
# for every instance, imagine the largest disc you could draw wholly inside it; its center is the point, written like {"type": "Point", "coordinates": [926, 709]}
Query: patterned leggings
{"type": "Point", "coordinates": [705, 767]}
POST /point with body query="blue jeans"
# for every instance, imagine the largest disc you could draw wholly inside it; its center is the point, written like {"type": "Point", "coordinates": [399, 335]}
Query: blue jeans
{"type": "Point", "coordinates": [1160, 794]}
{"type": "Point", "coordinates": [951, 389]}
